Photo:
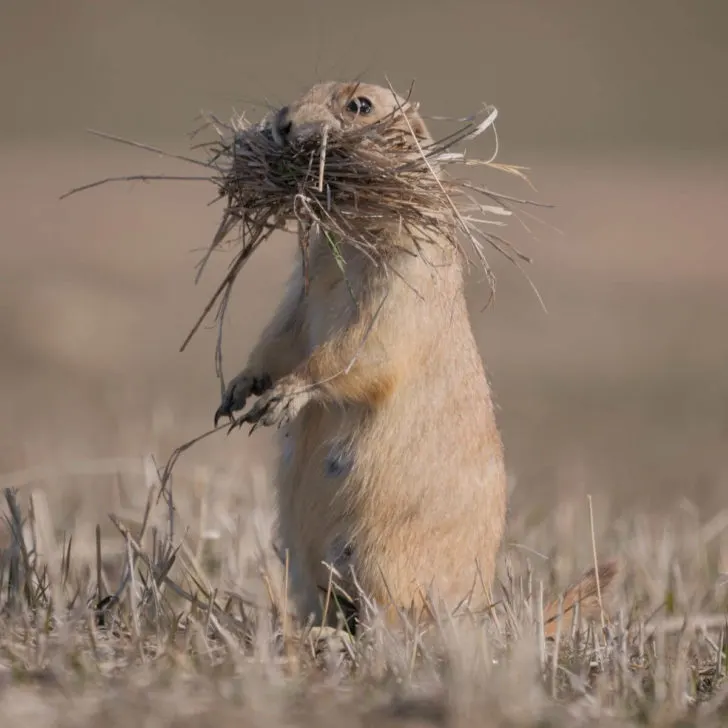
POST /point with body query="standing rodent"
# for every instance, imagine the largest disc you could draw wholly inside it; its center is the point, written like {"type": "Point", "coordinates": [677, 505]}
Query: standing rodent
{"type": "Point", "coordinates": [392, 460]}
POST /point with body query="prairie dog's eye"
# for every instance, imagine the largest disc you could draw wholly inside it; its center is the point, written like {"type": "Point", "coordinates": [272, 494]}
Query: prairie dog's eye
{"type": "Point", "coordinates": [360, 105]}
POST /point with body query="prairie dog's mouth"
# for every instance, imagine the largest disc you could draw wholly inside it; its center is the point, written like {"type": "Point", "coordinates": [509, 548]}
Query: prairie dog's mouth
{"type": "Point", "coordinates": [309, 131]}
{"type": "Point", "coordinates": [301, 124]}
{"type": "Point", "coordinates": [306, 139]}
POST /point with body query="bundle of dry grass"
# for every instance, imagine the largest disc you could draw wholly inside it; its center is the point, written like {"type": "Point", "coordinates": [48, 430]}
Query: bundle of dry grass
{"type": "Point", "coordinates": [348, 184]}
{"type": "Point", "coordinates": [351, 183]}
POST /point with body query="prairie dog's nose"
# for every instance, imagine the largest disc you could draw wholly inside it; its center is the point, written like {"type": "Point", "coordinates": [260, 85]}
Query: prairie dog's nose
{"type": "Point", "coordinates": [282, 126]}
{"type": "Point", "coordinates": [302, 121]}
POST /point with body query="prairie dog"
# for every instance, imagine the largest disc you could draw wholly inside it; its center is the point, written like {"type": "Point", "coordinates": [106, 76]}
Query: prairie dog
{"type": "Point", "coordinates": [392, 463]}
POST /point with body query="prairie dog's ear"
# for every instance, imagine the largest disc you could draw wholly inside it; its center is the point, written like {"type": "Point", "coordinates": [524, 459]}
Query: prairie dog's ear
{"type": "Point", "coordinates": [420, 130]}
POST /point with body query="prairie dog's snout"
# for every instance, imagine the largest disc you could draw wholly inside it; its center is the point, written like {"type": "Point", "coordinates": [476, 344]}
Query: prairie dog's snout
{"type": "Point", "coordinates": [301, 121]}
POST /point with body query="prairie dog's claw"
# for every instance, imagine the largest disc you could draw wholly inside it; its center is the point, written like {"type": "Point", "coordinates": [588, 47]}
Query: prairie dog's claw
{"type": "Point", "coordinates": [222, 411]}
{"type": "Point", "coordinates": [237, 393]}
{"type": "Point", "coordinates": [279, 406]}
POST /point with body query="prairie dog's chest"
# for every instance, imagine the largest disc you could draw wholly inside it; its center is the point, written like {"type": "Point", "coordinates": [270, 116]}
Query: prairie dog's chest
{"type": "Point", "coordinates": [321, 319]}
{"type": "Point", "coordinates": [331, 304]}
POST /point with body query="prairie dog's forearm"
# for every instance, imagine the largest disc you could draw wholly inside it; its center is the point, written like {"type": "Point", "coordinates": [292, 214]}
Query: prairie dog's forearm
{"type": "Point", "coordinates": [354, 366]}
{"type": "Point", "coordinates": [279, 351]}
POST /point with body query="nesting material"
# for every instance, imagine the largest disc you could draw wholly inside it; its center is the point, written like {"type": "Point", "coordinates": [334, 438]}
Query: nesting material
{"type": "Point", "coordinates": [349, 184]}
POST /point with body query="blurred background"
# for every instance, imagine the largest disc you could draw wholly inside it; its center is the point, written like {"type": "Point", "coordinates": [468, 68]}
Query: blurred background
{"type": "Point", "coordinates": [618, 108]}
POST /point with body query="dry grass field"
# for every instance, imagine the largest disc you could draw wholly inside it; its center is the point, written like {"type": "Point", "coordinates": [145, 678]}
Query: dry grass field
{"type": "Point", "coordinates": [619, 392]}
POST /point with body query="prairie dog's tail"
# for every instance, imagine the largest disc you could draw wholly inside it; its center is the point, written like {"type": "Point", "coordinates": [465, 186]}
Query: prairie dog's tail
{"type": "Point", "coordinates": [585, 593]}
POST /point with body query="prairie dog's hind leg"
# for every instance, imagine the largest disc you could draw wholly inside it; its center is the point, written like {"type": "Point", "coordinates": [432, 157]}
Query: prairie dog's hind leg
{"type": "Point", "coordinates": [301, 584]}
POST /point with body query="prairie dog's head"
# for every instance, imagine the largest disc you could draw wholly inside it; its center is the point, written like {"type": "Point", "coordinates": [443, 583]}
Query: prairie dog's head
{"type": "Point", "coordinates": [342, 105]}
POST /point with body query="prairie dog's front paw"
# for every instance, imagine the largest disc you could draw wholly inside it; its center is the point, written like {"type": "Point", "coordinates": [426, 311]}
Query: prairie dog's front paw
{"type": "Point", "coordinates": [238, 391]}
{"type": "Point", "coordinates": [279, 405]}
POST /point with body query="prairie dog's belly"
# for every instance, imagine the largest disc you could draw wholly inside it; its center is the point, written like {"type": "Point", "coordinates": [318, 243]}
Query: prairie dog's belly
{"type": "Point", "coordinates": [331, 457]}
{"type": "Point", "coordinates": [316, 458]}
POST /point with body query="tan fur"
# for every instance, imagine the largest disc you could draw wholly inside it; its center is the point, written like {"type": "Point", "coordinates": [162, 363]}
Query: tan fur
{"type": "Point", "coordinates": [390, 382]}
{"type": "Point", "coordinates": [586, 594]}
